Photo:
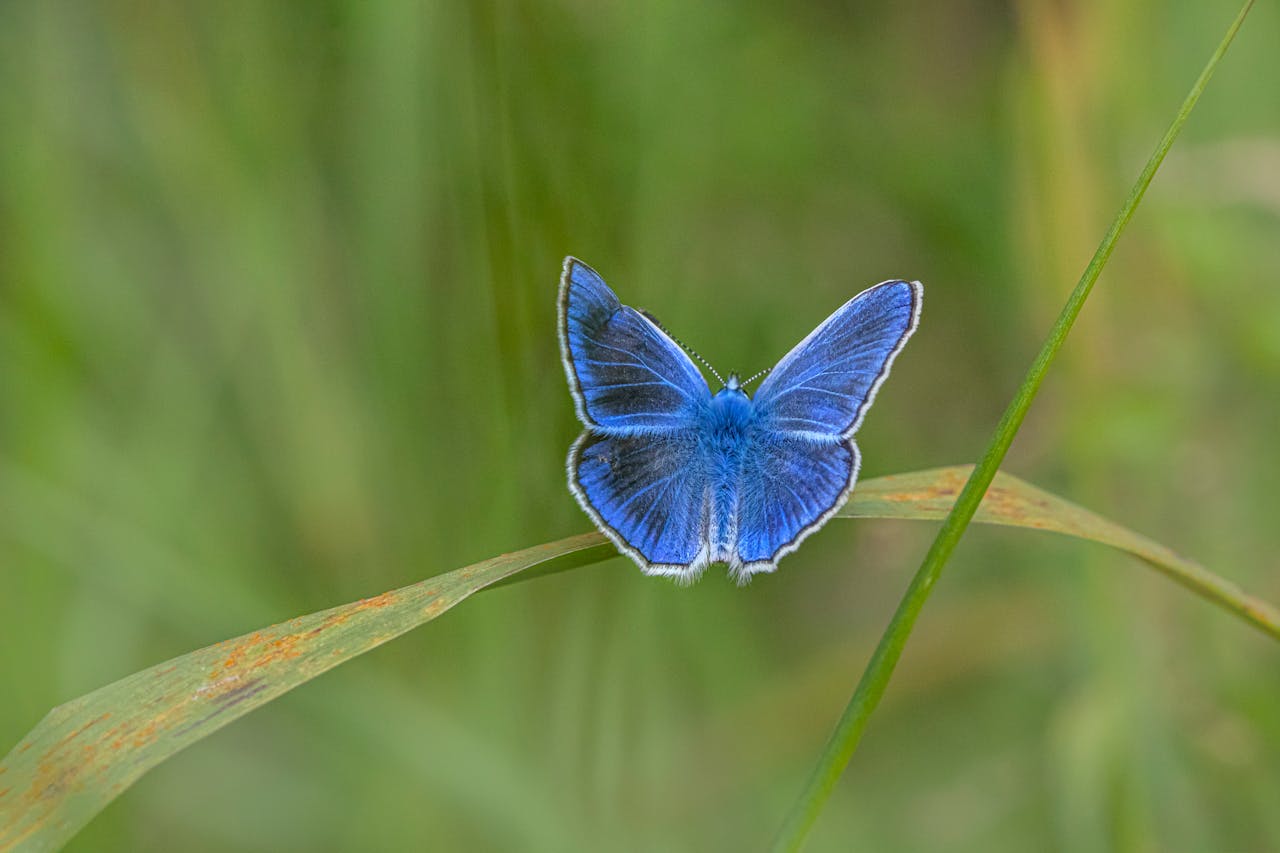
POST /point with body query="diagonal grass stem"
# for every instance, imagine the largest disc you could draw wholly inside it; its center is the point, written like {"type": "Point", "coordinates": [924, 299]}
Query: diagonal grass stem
{"type": "Point", "coordinates": [875, 678]}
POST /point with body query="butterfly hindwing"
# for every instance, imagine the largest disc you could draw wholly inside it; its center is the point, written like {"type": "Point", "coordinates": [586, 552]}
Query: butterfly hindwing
{"type": "Point", "coordinates": [626, 374]}
{"type": "Point", "coordinates": [649, 493]}
{"type": "Point", "coordinates": [789, 487]}
{"type": "Point", "coordinates": [827, 382]}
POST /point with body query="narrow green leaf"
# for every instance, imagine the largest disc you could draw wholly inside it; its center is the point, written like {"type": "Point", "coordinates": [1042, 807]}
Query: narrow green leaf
{"type": "Point", "coordinates": [875, 678]}
{"type": "Point", "coordinates": [1016, 503]}
{"type": "Point", "coordinates": [87, 752]}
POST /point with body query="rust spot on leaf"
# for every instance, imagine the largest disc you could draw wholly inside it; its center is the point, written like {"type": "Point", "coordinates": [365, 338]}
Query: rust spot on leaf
{"type": "Point", "coordinates": [66, 740]}
{"type": "Point", "coordinates": [334, 619]}
{"type": "Point", "coordinates": [256, 651]}
{"type": "Point", "coordinates": [378, 600]}
{"type": "Point", "coordinates": [88, 754]}
{"type": "Point", "coordinates": [238, 651]}
{"type": "Point", "coordinates": [146, 734]}
{"type": "Point", "coordinates": [278, 650]}
{"type": "Point", "coordinates": [4, 791]}
{"type": "Point", "coordinates": [918, 497]}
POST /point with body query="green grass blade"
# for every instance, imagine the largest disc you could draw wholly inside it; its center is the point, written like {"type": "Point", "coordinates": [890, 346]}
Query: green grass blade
{"type": "Point", "coordinates": [871, 687]}
{"type": "Point", "coordinates": [87, 752]}
{"type": "Point", "coordinates": [83, 754]}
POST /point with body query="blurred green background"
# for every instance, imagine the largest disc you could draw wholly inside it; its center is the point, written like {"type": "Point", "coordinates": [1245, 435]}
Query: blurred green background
{"type": "Point", "coordinates": [277, 331]}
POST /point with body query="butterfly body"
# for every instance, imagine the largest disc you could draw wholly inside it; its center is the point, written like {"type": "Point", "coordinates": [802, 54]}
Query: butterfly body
{"type": "Point", "coordinates": [727, 435]}
{"type": "Point", "coordinates": [680, 478]}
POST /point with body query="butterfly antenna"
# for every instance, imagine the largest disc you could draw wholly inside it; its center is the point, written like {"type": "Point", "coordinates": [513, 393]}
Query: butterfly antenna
{"type": "Point", "coordinates": [756, 376]}
{"type": "Point", "coordinates": [684, 346]}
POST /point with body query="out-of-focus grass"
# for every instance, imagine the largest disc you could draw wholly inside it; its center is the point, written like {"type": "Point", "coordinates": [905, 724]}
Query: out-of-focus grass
{"type": "Point", "coordinates": [277, 330]}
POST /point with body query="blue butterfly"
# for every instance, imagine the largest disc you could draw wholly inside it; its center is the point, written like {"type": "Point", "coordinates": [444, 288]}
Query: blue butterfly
{"type": "Point", "coordinates": [680, 478]}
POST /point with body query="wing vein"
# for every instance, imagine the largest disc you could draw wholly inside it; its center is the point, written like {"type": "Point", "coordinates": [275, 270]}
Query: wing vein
{"type": "Point", "coordinates": [640, 362]}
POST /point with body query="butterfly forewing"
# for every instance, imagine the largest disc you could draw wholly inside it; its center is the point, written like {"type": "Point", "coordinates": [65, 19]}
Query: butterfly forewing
{"type": "Point", "coordinates": [827, 382]}
{"type": "Point", "coordinates": [803, 462]}
{"type": "Point", "coordinates": [626, 374]}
